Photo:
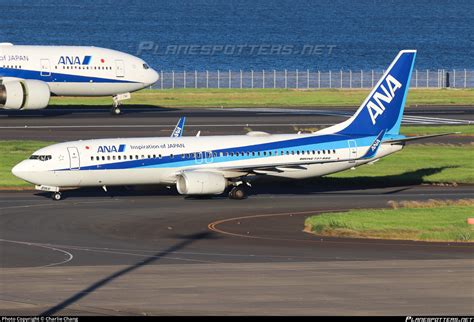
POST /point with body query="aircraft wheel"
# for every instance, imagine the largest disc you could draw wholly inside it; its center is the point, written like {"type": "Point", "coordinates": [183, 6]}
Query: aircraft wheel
{"type": "Point", "coordinates": [238, 193]}
{"type": "Point", "coordinates": [115, 110]}
{"type": "Point", "coordinates": [56, 196]}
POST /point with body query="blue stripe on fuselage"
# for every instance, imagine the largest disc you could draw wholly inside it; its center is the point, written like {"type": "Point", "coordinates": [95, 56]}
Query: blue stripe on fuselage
{"type": "Point", "coordinates": [326, 142]}
{"type": "Point", "coordinates": [56, 77]}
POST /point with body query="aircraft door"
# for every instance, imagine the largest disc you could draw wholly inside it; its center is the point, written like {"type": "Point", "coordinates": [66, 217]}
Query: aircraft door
{"type": "Point", "coordinates": [119, 68]}
{"type": "Point", "coordinates": [352, 149]}
{"type": "Point", "coordinates": [208, 156]}
{"type": "Point", "coordinates": [198, 157]}
{"type": "Point", "coordinates": [45, 67]}
{"type": "Point", "coordinates": [74, 163]}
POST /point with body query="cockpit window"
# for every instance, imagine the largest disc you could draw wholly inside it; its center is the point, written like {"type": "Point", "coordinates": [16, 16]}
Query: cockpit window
{"type": "Point", "coordinates": [145, 66]}
{"type": "Point", "coordinates": [40, 157]}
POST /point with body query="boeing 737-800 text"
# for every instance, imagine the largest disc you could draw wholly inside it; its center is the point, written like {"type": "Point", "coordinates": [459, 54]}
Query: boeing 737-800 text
{"type": "Point", "coordinates": [29, 75]}
{"type": "Point", "coordinates": [209, 165]}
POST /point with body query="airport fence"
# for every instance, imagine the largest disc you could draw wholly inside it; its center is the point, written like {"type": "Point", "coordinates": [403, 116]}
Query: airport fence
{"type": "Point", "coordinates": [308, 79]}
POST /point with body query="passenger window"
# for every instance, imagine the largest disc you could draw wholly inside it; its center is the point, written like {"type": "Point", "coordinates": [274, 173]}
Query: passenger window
{"type": "Point", "coordinates": [108, 157]}
{"type": "Point", "coordinates": [92, 158]}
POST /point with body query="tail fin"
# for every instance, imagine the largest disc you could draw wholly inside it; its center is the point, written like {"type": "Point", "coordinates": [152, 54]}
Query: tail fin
{"type": "Point", "coordinates": [383, 108]}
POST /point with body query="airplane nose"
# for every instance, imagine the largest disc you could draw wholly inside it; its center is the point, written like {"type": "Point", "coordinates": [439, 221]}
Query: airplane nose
{"type": "Point", "coordinates": [154, 76]}
{"type": "Point", "coordinates": [18, 170]}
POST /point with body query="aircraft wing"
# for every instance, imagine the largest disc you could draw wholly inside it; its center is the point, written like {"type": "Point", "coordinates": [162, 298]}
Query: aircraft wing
{"type": "Point", "coordinates": [298, 165]}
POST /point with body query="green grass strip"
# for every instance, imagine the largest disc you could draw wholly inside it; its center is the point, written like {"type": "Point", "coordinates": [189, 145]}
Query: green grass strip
{"type": "Point", "coordinates": [270, 98]}
{"type": "Point", "coordinates": [446, 223]}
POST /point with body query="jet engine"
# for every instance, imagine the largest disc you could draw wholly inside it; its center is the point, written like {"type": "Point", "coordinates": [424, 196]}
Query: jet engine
{"type": "Point", "coordinates": [24, 95]}
{"type": "Point", "coordinates": [201, 183]}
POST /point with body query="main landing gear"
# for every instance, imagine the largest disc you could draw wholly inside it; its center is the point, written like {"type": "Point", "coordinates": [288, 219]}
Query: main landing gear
{"type": "Point", "coordinates": [115, 110]}
{"type": "Point", "coordinates": [238, 192]}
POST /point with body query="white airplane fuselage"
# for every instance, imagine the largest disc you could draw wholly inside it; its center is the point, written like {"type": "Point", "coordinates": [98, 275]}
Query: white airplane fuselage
{"type": "Point", "coordinates": [135, 161]}
{"type": "Point", "coordinates": [70, 71]}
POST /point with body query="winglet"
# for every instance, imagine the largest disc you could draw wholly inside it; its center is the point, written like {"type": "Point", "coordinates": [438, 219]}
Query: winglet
{"type": "Point", "coordinates": [372, 151]}
{"type": "Point", "coordinates": [179, 128]}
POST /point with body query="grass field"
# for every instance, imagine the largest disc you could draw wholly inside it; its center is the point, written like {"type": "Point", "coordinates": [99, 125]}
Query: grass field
{"type": "Point", "coordinates": [270, 98]}
{"type": "Point", "coordinates": [416, 164]}
{"type": "Point", "coordinates": [430, 221]}
{"type": "Point", "coordinates": [465, 130]}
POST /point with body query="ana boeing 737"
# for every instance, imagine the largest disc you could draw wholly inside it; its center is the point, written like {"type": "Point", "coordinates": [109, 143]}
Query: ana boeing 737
{"type": "Point", "coordinates": [210, 165]}
{"type": "Point", "coordinates": [30, 75]}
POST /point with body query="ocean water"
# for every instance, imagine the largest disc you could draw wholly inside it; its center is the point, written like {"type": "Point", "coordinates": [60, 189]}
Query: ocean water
{"type": "Point", "coordinates": [253, 34]}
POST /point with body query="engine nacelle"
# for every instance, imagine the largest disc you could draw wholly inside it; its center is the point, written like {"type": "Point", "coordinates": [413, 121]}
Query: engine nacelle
{"type": "Point", "coordinates": [24, 95]}
{"type": "Point", "coordinates": [201, 183]}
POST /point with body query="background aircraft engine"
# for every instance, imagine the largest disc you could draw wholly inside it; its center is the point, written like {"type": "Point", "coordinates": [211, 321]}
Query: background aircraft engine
{"type": "Point", "coordinates": [201, 183]}
{"type": "Point", "coordinates": [24, 95]}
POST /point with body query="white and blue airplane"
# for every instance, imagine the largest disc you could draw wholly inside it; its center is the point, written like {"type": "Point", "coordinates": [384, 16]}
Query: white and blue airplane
{"type": "Point", "coordinates": [29, 75]}
{"type": "Point", "coordinates": [209, 165]}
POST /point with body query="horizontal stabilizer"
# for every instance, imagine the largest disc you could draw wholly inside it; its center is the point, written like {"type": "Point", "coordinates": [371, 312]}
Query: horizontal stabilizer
{"type": "Point", "coordinates": [413, 138]}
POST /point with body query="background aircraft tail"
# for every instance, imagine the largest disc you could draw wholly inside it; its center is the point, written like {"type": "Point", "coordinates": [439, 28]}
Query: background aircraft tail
{"type": "Point", "coordinates": [383, 107]}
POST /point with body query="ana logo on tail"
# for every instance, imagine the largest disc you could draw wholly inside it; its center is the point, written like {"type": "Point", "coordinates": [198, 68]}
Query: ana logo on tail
{"type": "Point", "coordinates": [375, 106]}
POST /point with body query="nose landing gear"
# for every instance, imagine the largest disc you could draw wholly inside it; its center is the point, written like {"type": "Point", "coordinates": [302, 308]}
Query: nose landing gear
{"type": "Point", "coordinates": [56, 196]}
{"type": "Point", "coordinates": [115, 110]}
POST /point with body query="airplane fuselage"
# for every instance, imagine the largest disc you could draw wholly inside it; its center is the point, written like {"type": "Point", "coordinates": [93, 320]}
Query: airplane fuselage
{"type": "Point", "coordinates": [76, 70]}
{"type": "Point", "coordinates": [135, 161]}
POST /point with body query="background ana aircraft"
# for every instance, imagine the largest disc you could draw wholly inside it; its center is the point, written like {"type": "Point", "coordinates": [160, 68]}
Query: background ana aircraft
{"type": "Point", "coordinates": [29, 75]}
{"type": "Point", "coordinates": [209, 165]}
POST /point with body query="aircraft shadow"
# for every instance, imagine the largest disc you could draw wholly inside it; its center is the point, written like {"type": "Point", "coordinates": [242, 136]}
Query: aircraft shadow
{"type": "Point", "coordinates": [272, 185]}
{"type": "Point", "coordinates": [332, 184]}
{"type": "Point", "coordinates": [186, 241]}
{"type": "Point", "coordinates": [62, 110]}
